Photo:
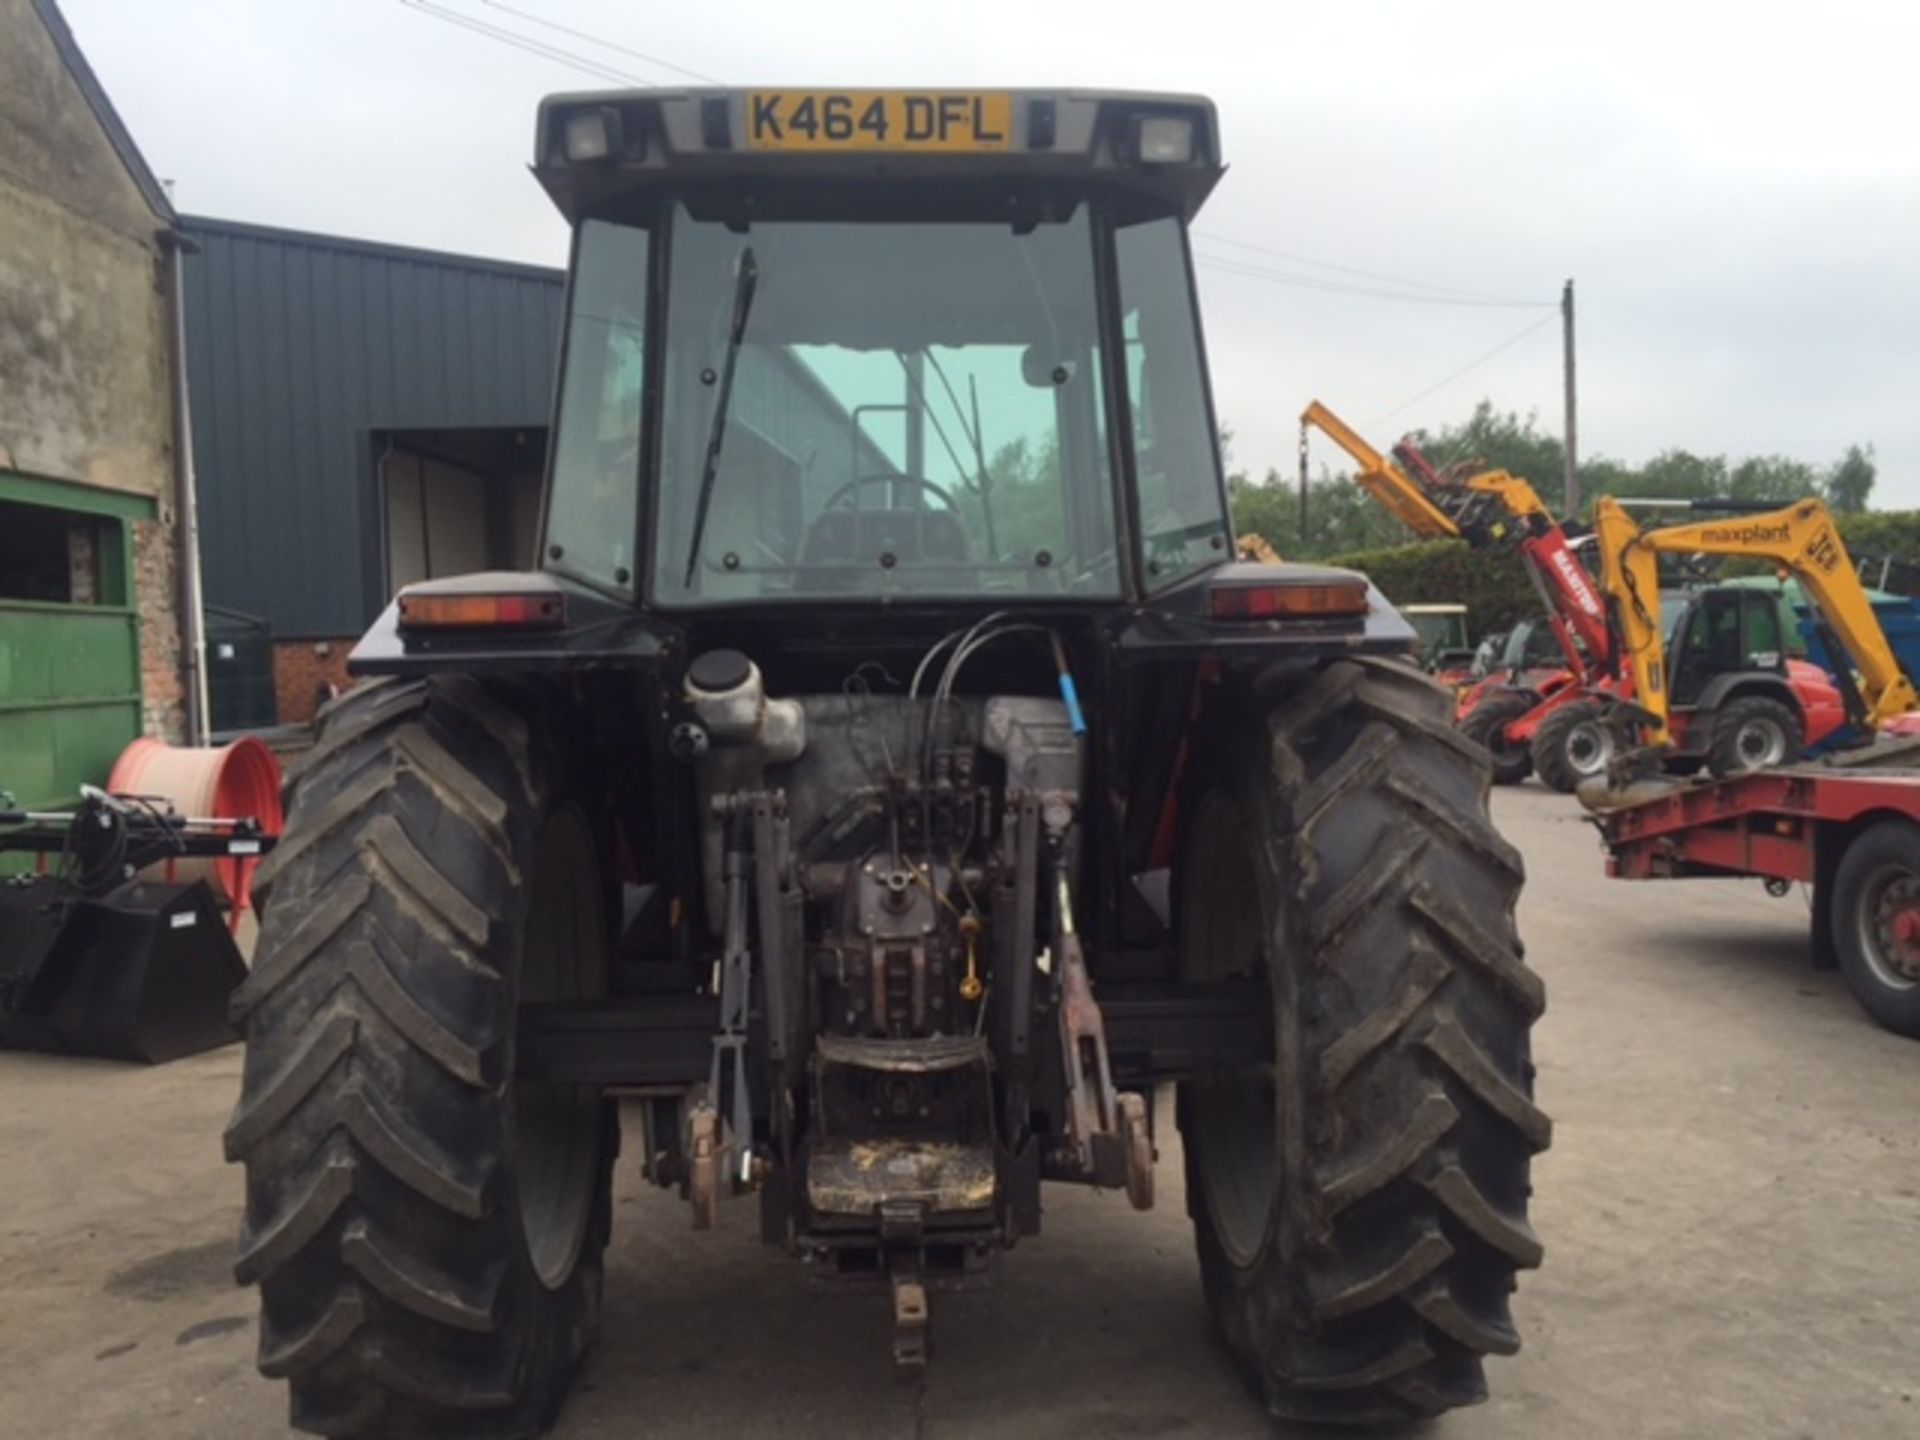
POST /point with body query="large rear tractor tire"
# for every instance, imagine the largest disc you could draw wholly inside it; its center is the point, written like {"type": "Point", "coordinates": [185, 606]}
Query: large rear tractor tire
{"type": "Point", "coordinates": [426, 1230]}
{"type": "Point", "coordinates": [1360, 1206]}
{"type": "Point", "coordinates": [1573, 744]}
{"type": "Point", "coordinates": [1753, 733]}
{"type": "Point", "coordinates": [1486, 726]}
{"type": "Point", "coordinates": [1876, 923]}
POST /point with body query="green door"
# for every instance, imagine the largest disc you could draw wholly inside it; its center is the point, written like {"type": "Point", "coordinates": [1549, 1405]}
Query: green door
{"type": "Point", "coordinates": [69, 636]}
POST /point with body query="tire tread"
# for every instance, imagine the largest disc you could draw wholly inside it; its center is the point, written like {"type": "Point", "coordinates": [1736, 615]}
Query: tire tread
{"type": "Point", "coordinates": [381, 1229]}
{"type": "Point", "coordinates": [1385, 1280]}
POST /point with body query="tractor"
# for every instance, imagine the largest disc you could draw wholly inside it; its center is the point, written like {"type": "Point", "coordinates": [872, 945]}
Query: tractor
{"type": "Point", "coordinates": [890, 796]}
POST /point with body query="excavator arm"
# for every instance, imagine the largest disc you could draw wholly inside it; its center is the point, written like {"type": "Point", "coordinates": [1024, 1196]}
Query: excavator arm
{"type": "Point", "coordinates": [1802, 538]}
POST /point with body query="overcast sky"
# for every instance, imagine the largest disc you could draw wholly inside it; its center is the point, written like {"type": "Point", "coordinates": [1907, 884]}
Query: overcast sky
{"type": "Point", "coordinates": [1735, 189]}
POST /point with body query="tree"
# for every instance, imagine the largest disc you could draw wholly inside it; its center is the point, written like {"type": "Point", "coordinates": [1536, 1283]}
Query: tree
{"type": "Point", "coordinates": [1340, 515]}
{"type": "Point", "coordinates": [1024, 496]}
{"type": "Point", "coordinates": [1849, 483]}
{"type": "Point", "coordinates": [1772, 477]}
{"type": "Point", "coordinates": [1681, 475]}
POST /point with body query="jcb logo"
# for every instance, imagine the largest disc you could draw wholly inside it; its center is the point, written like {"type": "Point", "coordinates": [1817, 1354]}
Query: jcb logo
{"type": "Point", "coordinates": [1823, 552]}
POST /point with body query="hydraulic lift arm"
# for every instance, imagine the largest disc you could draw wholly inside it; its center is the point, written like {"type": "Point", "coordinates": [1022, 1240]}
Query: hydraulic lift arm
{"type": "Point", "coordinates": [1381, 478]}
{"type": "Point", "coordinates": [1802, 539]}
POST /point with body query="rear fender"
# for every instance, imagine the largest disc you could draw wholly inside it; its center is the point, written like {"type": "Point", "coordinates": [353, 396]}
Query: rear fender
{"type": "Point", "coordinates": [596, 633]}
{"type": "Point", "coordinates": [1489, 691]}
{"type": "Point", "coordinates": [1823, 709]}
{"type": "Point", "coordinates": [1472, 696]}
{"type": "Point", "coordinates": [1551, 683]}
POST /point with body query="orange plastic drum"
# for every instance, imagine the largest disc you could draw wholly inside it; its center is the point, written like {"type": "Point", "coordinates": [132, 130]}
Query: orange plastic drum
{"type": "Point", "coordinates": [240, 781]}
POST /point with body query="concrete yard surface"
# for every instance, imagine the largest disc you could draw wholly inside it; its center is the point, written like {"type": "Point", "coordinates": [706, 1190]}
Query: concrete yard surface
{"type": "Point", "coordinates": [1731, 1210]}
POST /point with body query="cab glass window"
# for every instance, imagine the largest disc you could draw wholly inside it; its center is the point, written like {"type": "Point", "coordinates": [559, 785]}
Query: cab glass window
{"type": "Point", "coordinates": [594, 491]}
{"type": "Point", "coordinates": [1764, 650]}
{"type": "Point", "coordinates": [915, 409]}
{"type": "Point", "coordinates": [1183, 511]}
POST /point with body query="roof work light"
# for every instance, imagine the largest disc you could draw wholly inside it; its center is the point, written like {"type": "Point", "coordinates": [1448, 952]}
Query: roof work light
{"type": "Point", "coordinates": [1163, 139]}
{"type": "Point", "coordinates": [592, 134]}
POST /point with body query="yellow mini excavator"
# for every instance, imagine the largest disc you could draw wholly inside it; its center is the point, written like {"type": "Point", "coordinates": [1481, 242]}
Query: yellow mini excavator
{"type": "Point", "coordinates": [1723, 684]}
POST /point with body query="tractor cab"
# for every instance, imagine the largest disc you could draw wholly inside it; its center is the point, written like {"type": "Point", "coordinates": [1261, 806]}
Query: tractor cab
{"type": "Point", "coordinates": [1444, 648]}
{"type": "Point", "coordinates": [1724, 630]}
{"type": "Point", "coordinates": [1528, 648]}
{"type": "Point", "coordinates": [911, 353]}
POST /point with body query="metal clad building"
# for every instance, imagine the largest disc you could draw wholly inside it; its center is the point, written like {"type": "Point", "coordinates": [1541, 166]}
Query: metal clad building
{"type": "Point", "coordinates": [306, 356]}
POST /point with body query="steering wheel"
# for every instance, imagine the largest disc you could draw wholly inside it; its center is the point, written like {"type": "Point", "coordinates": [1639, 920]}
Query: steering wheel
{"type": "Point", "coordinates": [845, 492]}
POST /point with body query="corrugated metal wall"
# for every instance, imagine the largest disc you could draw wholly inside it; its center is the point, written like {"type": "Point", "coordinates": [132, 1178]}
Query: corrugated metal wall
{"type": "Point", "coordinates": [299, 347]}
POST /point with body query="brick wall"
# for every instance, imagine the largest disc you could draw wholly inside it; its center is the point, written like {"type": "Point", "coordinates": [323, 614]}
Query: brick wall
{"type": "Point", "coordinates": [302, 671]}
{"type": "Point", "coordinates": [156, 592]}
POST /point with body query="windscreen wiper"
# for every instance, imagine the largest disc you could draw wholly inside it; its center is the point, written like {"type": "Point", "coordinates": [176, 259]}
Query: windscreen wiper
{"type": "Point", "coordinates": [746, 278]}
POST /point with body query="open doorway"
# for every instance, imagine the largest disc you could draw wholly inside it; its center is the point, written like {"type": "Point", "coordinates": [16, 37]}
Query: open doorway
{"type": "Point", "coordinates": [457, 501]}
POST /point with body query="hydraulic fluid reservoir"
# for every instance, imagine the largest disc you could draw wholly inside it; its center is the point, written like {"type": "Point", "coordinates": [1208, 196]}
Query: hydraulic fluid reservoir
{"type": "Point", "coordinates": [726, 692]}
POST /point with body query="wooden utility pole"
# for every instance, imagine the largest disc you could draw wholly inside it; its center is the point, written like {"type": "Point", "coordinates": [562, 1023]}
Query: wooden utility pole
{"type": "Point", "coordinates": [1303, 489]}
{"type": "Point", "coordinates": [1572, 507]}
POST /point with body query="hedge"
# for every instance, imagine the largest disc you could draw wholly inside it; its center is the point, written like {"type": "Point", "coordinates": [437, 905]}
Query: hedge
{"type": "Point", "coordinates": [1493, 585]}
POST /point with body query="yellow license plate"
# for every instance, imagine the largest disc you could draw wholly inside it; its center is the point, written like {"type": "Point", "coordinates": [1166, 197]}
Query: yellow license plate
{"type": "Point", "coordinates": [878, 120]}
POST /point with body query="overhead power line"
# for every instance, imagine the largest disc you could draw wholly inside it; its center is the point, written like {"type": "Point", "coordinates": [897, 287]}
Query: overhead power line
{"type": "Point", "coordinates": [1399, 280]}
{"type": "Point", "coordinates": [601, 41]}
{"type": "Point", "coordinates": [581, 63]}
{"type": "Point", "coordinates": [1474, 364]}
{"type": "Point", "coordinates": [1328, 286]}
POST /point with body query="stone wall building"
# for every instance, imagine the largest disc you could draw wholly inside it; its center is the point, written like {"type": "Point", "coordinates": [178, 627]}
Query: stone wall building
{"type": "Point", "coordinates": [91, 573]}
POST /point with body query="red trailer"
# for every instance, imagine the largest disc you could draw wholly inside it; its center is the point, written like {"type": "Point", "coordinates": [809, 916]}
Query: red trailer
{"type": "Point", "coordinates": [1848, 826]}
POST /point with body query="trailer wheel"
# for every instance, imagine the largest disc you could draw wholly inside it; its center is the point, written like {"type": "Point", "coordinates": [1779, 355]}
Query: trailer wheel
{"type": "Point", "coordinates": [1752, 733]}
{"type": "Point", "coordinates": [1575, 743]}
{"type": "Point", "coordinates": [426, 1230]}
{"type": "Point", "coordinates": [1360, 1205]}
{"type": "Point", "coordinates": [1486, 726]}
{"type": "Point", "coordinates": [1876, 923]}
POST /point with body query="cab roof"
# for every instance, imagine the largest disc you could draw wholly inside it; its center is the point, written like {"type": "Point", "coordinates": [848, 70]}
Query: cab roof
{"type": "Point", "coordinates": [599, 150]}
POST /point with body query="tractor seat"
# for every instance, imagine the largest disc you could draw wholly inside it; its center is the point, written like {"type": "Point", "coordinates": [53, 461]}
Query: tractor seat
{"type": "Point", "coordinates": [913, 536]}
